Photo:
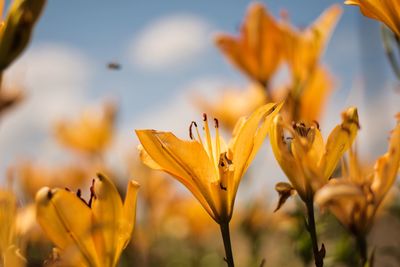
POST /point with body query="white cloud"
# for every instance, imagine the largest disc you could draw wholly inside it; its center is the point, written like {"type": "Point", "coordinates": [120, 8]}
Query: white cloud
{"type": "Point", "coordinates": [169, 41]}
{"type": "Point", "coordinates": [54, 78]}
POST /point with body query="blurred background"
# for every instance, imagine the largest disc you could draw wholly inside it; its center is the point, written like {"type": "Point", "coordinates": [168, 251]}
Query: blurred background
{"type": "Point", "coordinates": [166, 53]}
{"type": "Point", "coordinates": [153, 59]}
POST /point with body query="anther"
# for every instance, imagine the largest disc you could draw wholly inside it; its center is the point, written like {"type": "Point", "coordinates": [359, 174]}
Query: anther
{"type": "Point", "coordinates": [316, 124]}
{"type": "Point", "coordinates": [49, 194]}
{"type": "Point", "coordinates": [92, 194]}
{"type": "Point", "coordinates": [204, 117]}
{"type": "Point", "coordinates": [216, 123]}
{"type": "Point", "coordinates": [190, 129]}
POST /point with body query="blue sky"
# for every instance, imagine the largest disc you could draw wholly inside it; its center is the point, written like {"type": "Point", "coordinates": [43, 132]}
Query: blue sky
{"type": "Point", "coordinates": [74, 40]}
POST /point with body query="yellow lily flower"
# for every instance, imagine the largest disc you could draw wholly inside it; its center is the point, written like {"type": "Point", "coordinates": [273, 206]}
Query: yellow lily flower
{"type": "Point", "coordinates": [234, 104]}
{"type": "Point", "coordinates": [91, 133]}
{"type": "Point", "coordinates": [208, 168]}
{"type": "Point", "coordinates": [258, 50]}
{"type": "Point", "coordinates": [386, 11]}
{"type": "Point", "coordinates": [304, 48]}
{"type": "Point", "coordinates": [10, 254]}
{"type": "Point", "coordinates": [306, 160]}
{"type": "Point", "coordinates": [93, 233]}
{"type": "Point", "coordinates": [16, 29]}
{"type": "Point", "coordinates": [355, 198]}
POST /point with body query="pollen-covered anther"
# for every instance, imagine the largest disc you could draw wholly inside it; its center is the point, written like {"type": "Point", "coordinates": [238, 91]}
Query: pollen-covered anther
{"type": "Point", "coordinates": [193, 123]}
{"type": "Point", "coordinates": [204, 117]}
{"type": "Point", "coordinates": [216, 123]}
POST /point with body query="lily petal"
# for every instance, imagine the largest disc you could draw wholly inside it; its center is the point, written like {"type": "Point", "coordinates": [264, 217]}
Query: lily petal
{"type": "Point", "coordinates": [67, 221]}
{"type": "Point", "coordinates": [129, 214]}
{"type": "Point", "coordinates": [386, 168]}
{"type": "Point", "coordinates": [339, 141]}
{"type": "Point", "coordinates": [284, 156]}
{"type": "Point", "coordinates": [181, 159]}
{"type": "Point", "coordinates": [107, 212]}
{"type": "Point", "coordinates": [244, 146]}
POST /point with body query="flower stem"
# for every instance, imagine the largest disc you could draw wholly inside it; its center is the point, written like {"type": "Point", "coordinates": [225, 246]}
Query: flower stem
{"type": "Point", "coordinates": [318, 254]}
{"type": "Point", "coordinates": [362, 249]}
{"type": "Point", "coordinates": [227, 244]}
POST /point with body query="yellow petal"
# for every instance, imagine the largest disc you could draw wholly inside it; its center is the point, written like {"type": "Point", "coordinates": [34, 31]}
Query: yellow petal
{"type": "Point", "coordinates": [107, 212]}
{"type": "Point", "coordinates": [13, 258]}
{"type": "Point", "coordinates": [249, 138]}
{"type": "Point", "coordinates": [129, 214]}
{"type": "Point", "coordinates": [257, 51]}
{"type": "Point", "coordinates": [146, 159]}
{"type": "Point", "coordinates": [284, 156]}
{"type": "Point", "coordinates": [247, 141]}
{"type": "Point", "coordinates": [339, 141]}
{"type": "Point", "coordinates": [8, 210]}
{"type": "Point", "coordinates": [315, 94]}
{"type": "Point", "coordinates": [67, 222]}
{"type": "Point", "coordinates": [187, 161]}
{"type": "Point", "coordinates": [304, 48]}
{"type": "Point", "coordinates": [345, 200]}
{"type": "Point", "coordinates": [387, 166]}
{"type": "Point", "coordinates": [1, 10]}
{"type": "Point", "coordinates": [385, 11]}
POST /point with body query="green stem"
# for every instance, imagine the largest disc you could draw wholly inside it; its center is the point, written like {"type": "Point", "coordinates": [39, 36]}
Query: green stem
{"type": "Point", "coordinates": [362, 249]}
{"type": "Point", "coordinates": [227, 244]}
{"type": "Point", "coordinates": [318, 254]}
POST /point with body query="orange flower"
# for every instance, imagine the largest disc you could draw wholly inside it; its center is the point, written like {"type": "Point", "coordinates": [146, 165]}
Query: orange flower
{"type": "Point", "coordinates": [305, 158]}
{"type": "Point", "coordinates": [355, 198]}
{"type": "Point", "coordinates": [386, 11]}
{"type": "Point", "coordinates": [93, 233]}
{"type": "Point", "coordinates": [91, 133]}
{"type": "Point", "coordinates": [258, 50]}
{"type": "Point", "coordinates": [209, 168]}
{"type": "Point", "coordinates": [304, 48]}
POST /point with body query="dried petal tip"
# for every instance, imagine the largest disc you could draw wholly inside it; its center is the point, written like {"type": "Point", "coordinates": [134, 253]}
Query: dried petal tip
{"type": "Point", "coordinates": [285, 190]}
{"type": "Point", "coordinates": [351, 116]}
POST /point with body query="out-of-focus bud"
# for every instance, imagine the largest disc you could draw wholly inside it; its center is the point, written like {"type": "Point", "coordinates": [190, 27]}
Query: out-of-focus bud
{"type": "Point", "coordinates": [16, 30]}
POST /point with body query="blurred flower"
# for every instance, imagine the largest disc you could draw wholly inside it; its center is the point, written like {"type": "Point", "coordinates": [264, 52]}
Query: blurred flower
{"type": "Point", "coordinates": [258, 50]}
{"type": "Point", "coordinates": [9, 98]}
{"type": "Point", "coordinates": [355, 198]}
{"type": "Point", "coordinates": [91, 133]}
{"type": "Point", "coordinates": [33, 176]}
{"type": "Point", "coordinates": [304, 47]}
{"type": "Point", "coordinates": [386, 11]}
{"type": "Point", "coordinates": [191, 215]}
{"type": "Point", "coordinates": [208, 168]}
{"type": "Point", "coordinates": [10, 255]}
{"type": "Point", "coordinates": [306, 160]}
{"type": "Point", "coordinates": [16, 29]}
{"type": "Point", "coordinates": [307, 102]}
{"type": "Point", "coordinates": [93, 233]}
{"type": "Point", "coordinates": [233, 104]}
